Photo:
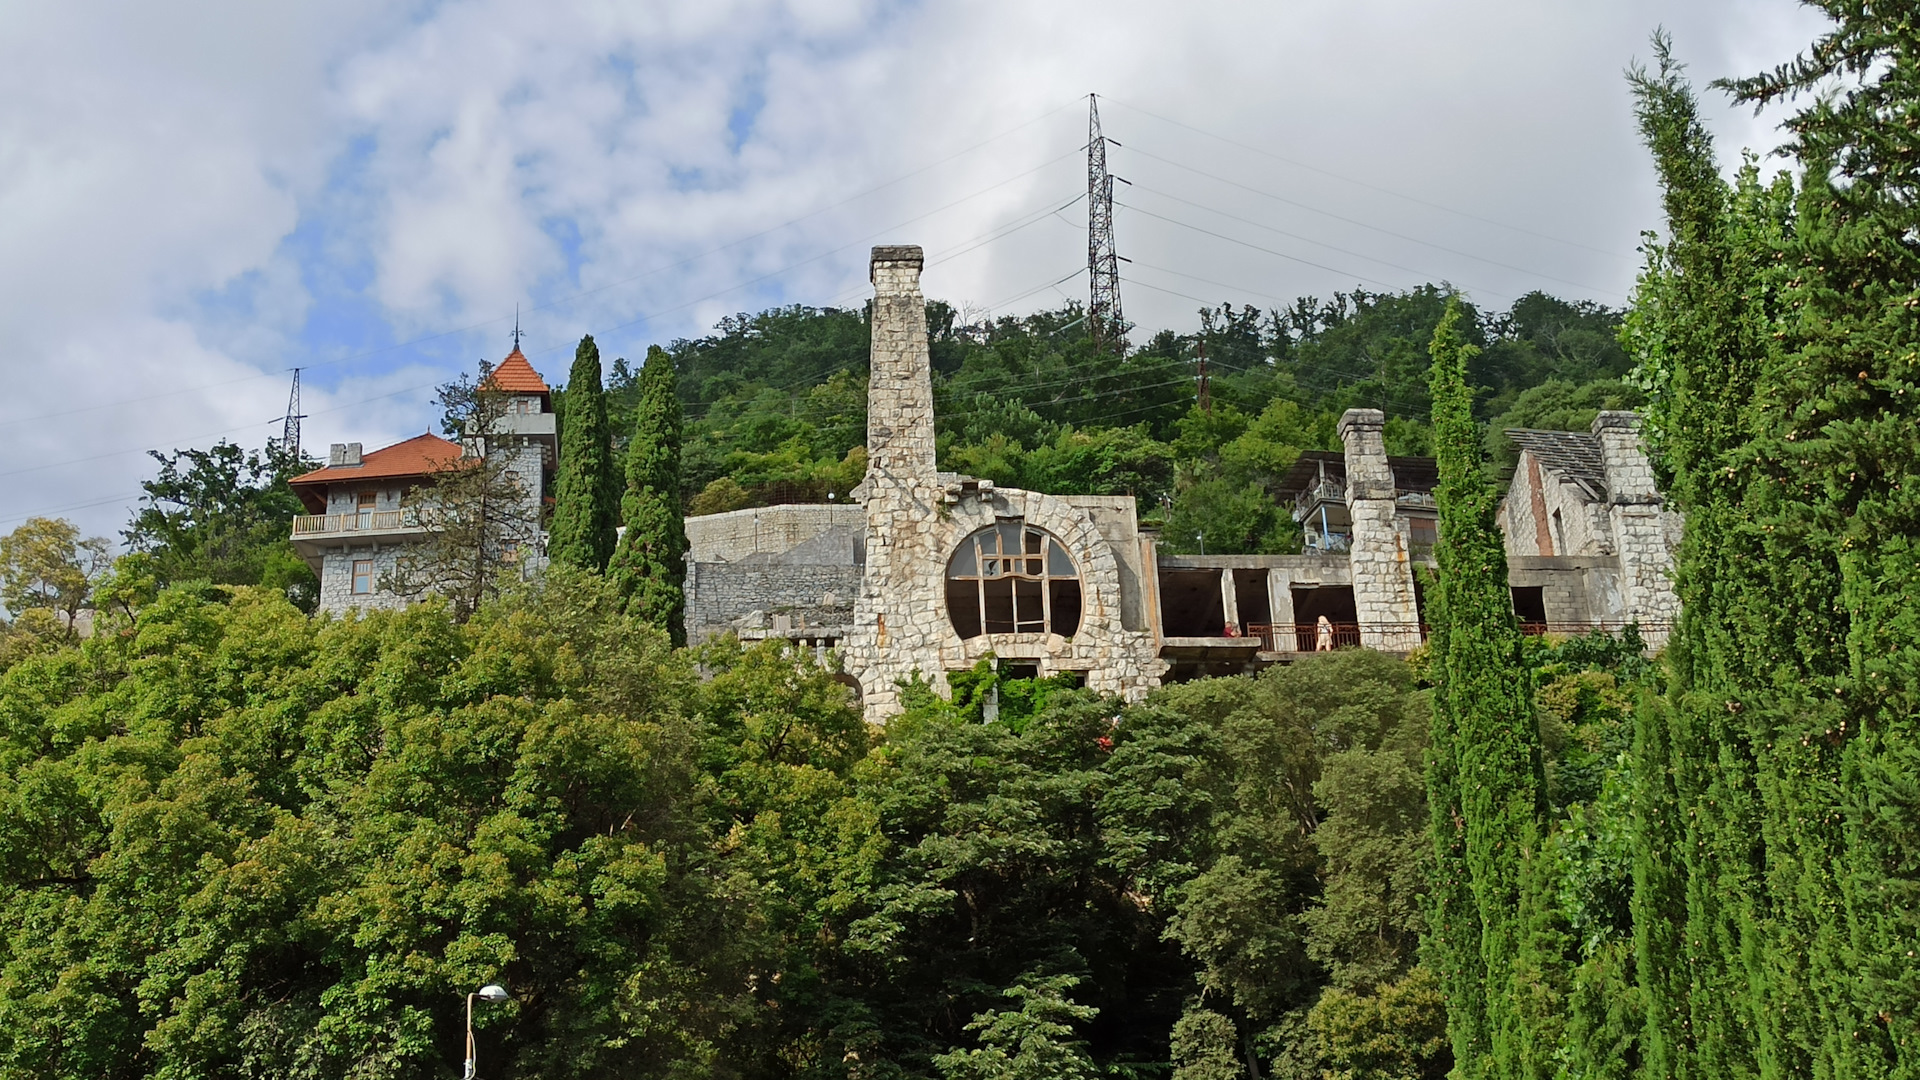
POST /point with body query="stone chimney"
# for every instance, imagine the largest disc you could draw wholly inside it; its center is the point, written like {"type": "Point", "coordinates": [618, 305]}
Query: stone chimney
{"type": "Point", "coordinates": [900, 450]}
{"type": "Point", "coordinates": [343, 455]}
{"type": "Point", "coordinates": [1382, 573]}
{"type": "Point", "coordinates": [1639, 526]}
{"type": "Point", "coordinates": [1629, 474]}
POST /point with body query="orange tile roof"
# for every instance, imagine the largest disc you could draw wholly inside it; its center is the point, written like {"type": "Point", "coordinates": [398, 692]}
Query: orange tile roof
{"type": "Point", "coordinates": [422, 455]}
{"type": "Point", "coordinates": [516, 376]}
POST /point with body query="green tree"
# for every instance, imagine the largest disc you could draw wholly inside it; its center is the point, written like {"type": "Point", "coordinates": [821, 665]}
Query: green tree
{"type": "Point", "coordinates": [586, 508]}
{"type": "Point", "coordinates": [1037, 1041]}
{"type": "Point", "coordinates": [1485, 788]}
{"type": "Point", "coordinates": [46, 566]}
{"type": "Point", "coordinates": [224, 515]}
{"type": "Point", "coordinates": [480, 518]}
{"type": "Point", "coordinates": [649, 565]}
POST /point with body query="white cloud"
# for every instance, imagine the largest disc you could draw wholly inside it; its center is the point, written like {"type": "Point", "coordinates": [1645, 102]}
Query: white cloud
{"type": "Point", "coordinates": [203, 195]}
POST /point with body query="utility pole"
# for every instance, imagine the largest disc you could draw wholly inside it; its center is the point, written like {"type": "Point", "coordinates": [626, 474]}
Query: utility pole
{"type": "Point", "coordinates": [1104, 320]}
{"type": "Point", "coordinates": [290, 427]}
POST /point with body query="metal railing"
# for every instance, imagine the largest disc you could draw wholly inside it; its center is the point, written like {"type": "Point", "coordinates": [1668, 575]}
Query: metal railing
{"type": "Point", "coordinates": [1311, 637]}
{"type": "Point", "coordinates": [1317, 492]}
{"type": "Point", "coordinates": [376, 521]}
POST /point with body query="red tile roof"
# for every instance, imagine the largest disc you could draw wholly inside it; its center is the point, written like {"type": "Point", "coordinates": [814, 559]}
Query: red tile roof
{"type": "Point", "coordinates": [516, 376]}
{"type": "Point", "coordinates": [422, 455]}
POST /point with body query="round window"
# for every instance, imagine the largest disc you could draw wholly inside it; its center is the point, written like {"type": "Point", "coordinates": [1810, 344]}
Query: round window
{"type": "Point", "coordinates": [1011, 578]}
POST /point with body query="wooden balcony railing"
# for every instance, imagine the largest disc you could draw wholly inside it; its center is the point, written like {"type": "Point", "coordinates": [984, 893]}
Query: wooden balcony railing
{"type": "Point", "coordinates": [377, 521]}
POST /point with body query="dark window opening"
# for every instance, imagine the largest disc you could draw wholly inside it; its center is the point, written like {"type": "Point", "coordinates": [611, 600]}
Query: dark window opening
{"type": "Point", "coordinates": [1530, 606]}
{"type": "Point", "coordinates": [1010, 672]}
{"type": "Point", "coordinates": [1190, 604]}
{"type": "Point", "coordinates": [1332, 603]}
{"type": "Point", "coordinates": [1250, 595]}
{"type": "Point", "coordinates": [1422, 534]}
{"type": "Point", "coordinates": [1011, 579]}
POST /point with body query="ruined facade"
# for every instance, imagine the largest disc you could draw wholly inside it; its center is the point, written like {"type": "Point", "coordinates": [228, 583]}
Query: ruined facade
{"type": "Point", "coordinates": [927, 573]}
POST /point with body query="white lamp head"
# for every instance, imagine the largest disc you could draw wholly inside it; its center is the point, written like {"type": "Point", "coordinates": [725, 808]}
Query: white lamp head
{"type": "Point", "coordinates": [490, 992]}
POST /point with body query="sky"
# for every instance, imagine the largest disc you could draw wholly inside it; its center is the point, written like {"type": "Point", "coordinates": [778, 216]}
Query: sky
{"type": "Point", "coordinates": [198, 197]}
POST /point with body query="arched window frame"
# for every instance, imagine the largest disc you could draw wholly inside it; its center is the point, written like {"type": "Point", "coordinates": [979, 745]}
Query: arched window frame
{"type": "Point", "coordinates": [1034, 588]}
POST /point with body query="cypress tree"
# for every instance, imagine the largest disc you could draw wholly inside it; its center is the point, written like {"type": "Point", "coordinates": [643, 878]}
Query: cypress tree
{"type": "Point", "coordinates": [585, 514]}
{"type": "Point", "coordinates": [1483, 715]}
{"type": "Point", "coordinates": [650, 564]}
{"type": "Point", "coordinates": [1732, 766]}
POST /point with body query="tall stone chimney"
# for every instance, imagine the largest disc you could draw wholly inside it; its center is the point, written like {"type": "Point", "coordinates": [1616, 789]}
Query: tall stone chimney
{"type": "Point", "coordinates": [896, 618]}
{"type": "Point", "coordinates": [900, 384]}
{"type": "Point", "coordinates": [1639, 526]}
{"type": "Point", "coordinates": [1382, 573]}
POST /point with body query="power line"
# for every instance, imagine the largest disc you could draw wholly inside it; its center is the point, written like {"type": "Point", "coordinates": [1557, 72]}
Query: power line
{"type": "Point", "coordinates": [1362, 224]}
{"type": "Point", "coordinates": [825, 254]}
{"type": "Point", "coordinates": [1317, 243]}
{"type": "Point", "coordinates": [1368, 186]}
{"type": "Point", "coordinates": [147, 398]}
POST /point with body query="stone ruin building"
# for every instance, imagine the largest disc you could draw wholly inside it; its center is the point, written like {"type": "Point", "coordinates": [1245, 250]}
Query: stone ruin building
{"type": "Point", "coordinates": [924, 572]}
{"type": "Point", "coordinates": [362, 508]}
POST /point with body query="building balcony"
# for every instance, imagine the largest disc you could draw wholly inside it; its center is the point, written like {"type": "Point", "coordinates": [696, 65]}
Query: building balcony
{"type": "Point", "coordinates": [390, 525]}
{"type": "Point", "coordinates": [1322, 491]}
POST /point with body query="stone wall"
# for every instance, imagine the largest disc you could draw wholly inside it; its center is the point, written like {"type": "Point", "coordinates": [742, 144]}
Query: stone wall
{"type": "Point", "coordinates": [916, 518]}
{"type": "Point", "coordinates": [767, 598]}
{"type": "Point", "coordinates": [1527, 521]}
{"type": "Point", "coordinates": [1642, 529]}
{"type": "Point", "coordinates": [762, 530]}
{"type": "Point", "coordinates": [1381, 567]}
{"type": "Point", "coordinates": [336, 579]}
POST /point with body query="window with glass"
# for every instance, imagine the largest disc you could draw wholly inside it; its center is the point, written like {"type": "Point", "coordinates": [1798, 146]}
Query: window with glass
{"type": "Point", "coordinates": [362, 577]}
{"type": "Point", "coordinates": [1011, 578]}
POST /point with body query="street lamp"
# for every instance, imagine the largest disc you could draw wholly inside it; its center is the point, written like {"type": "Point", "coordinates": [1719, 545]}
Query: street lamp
{"type": "Point", "coordinates": [489, 992]}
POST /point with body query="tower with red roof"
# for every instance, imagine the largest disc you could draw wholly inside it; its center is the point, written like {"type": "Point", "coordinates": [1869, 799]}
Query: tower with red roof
{"type": "Point", "coordinates": [361, 516]}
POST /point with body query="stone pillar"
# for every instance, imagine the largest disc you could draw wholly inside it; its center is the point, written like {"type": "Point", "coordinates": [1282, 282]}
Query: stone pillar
{"type": "Point", "coordinates": [1229, 598]}
{"type": "Point", "coordinates": [891, 631]}
{"type": "Point", "coordinates": [1382, 572]}
{"type": "Point", "coordinates": [1280, 603]}
{"type": "Point", "coordinates": [900, 381]}
{"type": "Point", "coordinates": [1633, 499]}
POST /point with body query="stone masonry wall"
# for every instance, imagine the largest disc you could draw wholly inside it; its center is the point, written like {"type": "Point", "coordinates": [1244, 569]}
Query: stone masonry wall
{"type": "Point", "coordinates": [336, 580]}
{"type": "Point", "coordinates": [1382, 570]}
{"type": "Point", "coordinates": [915, 521]}
{"type": "Point", "coordinates": [721, 595]}
{"type": "Point", "coordinates": [1641, 526]}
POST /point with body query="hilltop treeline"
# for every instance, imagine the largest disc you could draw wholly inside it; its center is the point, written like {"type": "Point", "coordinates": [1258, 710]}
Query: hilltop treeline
{"type": "Point", "coordinates": [776, 402]}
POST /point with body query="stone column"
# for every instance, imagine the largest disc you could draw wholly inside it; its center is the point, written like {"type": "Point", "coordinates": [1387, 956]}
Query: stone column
{"type": "Point", "coordinates": [1633, 499]}
{"type": "Point", "coordinates": [894, 619]}
{"type": "Point", "coordinates": [1382, 571]}
{"type": "Point", "coordinates": [1229, 598]}
{"type": "Point", "coordinates": [1280, 603]}
{"type": "Point", "coordinates": [900, 381]}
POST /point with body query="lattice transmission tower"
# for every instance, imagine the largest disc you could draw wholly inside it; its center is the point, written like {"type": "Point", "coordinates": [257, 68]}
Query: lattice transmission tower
{"type": "Point", "coordinates": [290, 427]}
{"type": "Point", "coordinates": [1104, 319]}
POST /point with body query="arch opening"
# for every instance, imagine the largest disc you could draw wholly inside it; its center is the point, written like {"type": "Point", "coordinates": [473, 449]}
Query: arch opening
{"type": "Point", "coordinates": [1012, 578]}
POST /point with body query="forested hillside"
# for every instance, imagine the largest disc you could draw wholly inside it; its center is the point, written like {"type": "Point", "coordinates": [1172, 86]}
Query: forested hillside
{"type": "Point", "coordinates": [241, 842]}
{"type": "Point", "coordinates": [776, 402]}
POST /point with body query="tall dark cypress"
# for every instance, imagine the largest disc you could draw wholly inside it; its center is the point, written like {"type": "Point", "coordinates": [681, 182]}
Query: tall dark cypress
{"type": "Point", "coordinates": [585, 515]}
{"type": "Point", "coordinates": [1722, 845]}
{"type": "Point", "coordinates": [650, 563]}
{"type": "Point", "coordinates": [1483, 708]}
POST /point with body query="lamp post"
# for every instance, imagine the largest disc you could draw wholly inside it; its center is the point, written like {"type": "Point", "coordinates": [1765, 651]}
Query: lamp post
{"type": "Point", "coordinates": [489, 992]}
